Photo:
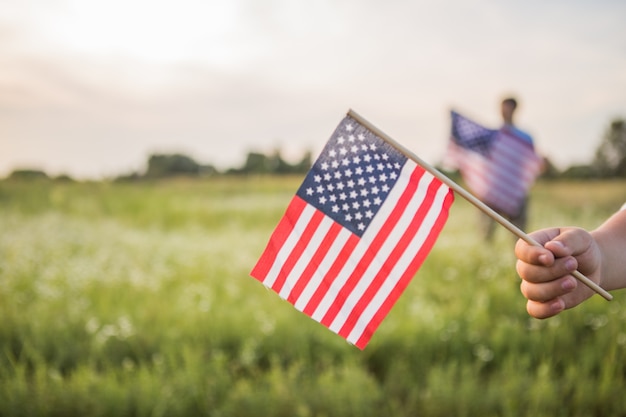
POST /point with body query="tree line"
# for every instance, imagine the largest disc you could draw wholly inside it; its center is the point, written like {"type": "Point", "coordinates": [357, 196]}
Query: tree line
{"type": "Point", "coordinates": [609, 161]}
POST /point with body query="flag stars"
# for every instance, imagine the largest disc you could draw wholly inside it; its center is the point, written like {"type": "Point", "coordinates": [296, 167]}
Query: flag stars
{"type": "Point", "coordinates": [352, 179]}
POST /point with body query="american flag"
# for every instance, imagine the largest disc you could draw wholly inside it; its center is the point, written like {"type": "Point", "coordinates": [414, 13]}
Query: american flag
{"type": "Point", "coordinates": [498, 166]}
{"type": "Point", "coordinates": [355, 233]}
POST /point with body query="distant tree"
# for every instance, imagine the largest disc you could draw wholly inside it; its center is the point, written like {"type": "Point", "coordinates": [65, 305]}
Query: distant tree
{"type": "Point", "coordinates": [164, 165]}
{"type": "Point", "coordinates": [28, 175]}
{"type": "Point", "coordinates": [610, 158]}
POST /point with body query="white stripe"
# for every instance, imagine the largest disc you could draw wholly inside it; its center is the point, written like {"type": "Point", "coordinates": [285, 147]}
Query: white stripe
{"type": "Point", "coordinates": [322, 269]}
{"type": "Point", "coordinates": [305, 258]}
{"type": "Point", "coordinates": [401, 266]}
{"type": "Point", "coordinates": [383, 254]}
{"type": "Point", "coordinates": [290, 243]}
{"type": "Point", "coordinates": [365, 241]}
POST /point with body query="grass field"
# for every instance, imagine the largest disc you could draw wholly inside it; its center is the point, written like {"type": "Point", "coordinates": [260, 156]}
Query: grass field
{"type": "Point", "coordinates": [135, 300]}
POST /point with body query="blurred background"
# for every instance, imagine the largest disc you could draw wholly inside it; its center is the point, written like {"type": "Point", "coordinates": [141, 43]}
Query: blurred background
{"type": "Point", "coordinates": [89, 89]}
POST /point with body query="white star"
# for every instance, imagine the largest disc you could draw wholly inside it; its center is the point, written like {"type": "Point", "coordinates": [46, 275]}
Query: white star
{"type": "Point", "coordinates": [309, 191]}
{"type": "Point", "coordinates": [337, 175]}
{"type": "Point", "coordinates": [349, 128]}
{"type": "Point", "coordinates": [317, 178]}
{"type": "Point", "coordinates": [335, 164]}
{"type": "Point", "coordinates": [385, 188]}
{"type": "Point", "coordinates": [372, 179]}
{"type": "Point", "coordinates": [354, 149]}
{"type": "Point", "coordinates": [375, 190]}
{"type": "Point", "coordinates": [369, 169]}
{"type": "Point", "coordinates": [377, 201]}
{"type": "Point", "coordinates": [369, 214]}
{"type": "Point", "coordinates": [356, 205]}
{"type": "Point", "coordinates": [343, 196]}
{"type": "Point", "coordinates": [351, 184]}
{"type": "Point", "coordinates": [364, 148]}
{"type": "Point", "coordinates": [358, 216]}
{"type": "Point", "coordinates": [393, 175]}
{"type": "Point", "coordinates": [361, 181]}
{"type": "Point", "coordinates": [322, 200]}
{"type": "Point", "coordinates": [367, 157]}
{"type": "Point", "coordinates": [358, 171]}
{"type": "Point", "coordinates": [385, 156]}
{"type": "Point", "coordinates": [373, 147]}
{"type": "Point", "coordinates": [380, 167]}
{"type": "Point", "coordinates": [330, 187]}
{"type": "Point", "coordinates": [345, 162]}
{"type": "Point", "coordinates": [348, 173]}
{"type": "Point", "coordinates": [383, 177]}
{"type": "Point", "coordinates": [324, 166]}
{"type": "Point", "coordinates": [396, 165]}
{"type": "Point", "coordinates": [320, 189]}
{"type": "Point", "coordinates": [327, 176]}
{"type": "Point", "coordinates": [366, 203]}
{"type": "Point", "coordinates": [345, 207]}
{"type": "Point", "coordinates": [332, 153]}
{"type": "Point", "coordinates": [333, 198]}
{"type": "Point", "coordinates": [356, 160]}
{"type": "Point", "coordinates": [340, 185]}
{"type": "Point", "coordinates": [361, 136]}
{"type": "Point", "coordinates": [340, 140]}
{"type": "Point", "coordinates": [343, 151]}
{"type": "Point", "coordinates": [348, 217]}
{"type": "Point", "coordinates": [335, 209]}
{"type": "Point", "coordinates": [361, 226]}
{"type": "Point", "coordinates": [364, 192]}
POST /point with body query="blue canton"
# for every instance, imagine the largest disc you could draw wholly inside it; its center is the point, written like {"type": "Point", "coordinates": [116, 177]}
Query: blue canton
{"type": "Point", "coordinates": [353, 176]}
{"type": "Point", "coordinates": [471, 135]}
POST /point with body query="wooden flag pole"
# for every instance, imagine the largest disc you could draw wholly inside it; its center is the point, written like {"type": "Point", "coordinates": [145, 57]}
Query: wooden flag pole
{"type": "Point", "coordinates": [472, 199]}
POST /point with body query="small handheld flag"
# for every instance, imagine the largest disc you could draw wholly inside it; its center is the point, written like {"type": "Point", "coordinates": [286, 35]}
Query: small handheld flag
{"type": "Point", "coordinates": [355, 233]}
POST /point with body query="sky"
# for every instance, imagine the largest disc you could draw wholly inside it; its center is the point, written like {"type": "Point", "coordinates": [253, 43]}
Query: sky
{"type": "Point", "coordinates": [92, 88]}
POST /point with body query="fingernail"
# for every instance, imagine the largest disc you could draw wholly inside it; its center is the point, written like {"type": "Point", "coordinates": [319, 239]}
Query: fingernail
{"type": "Point", "coordinates": [544, 259]}
{"type": "Point", "coordinates": [568, 284]}
{"type": "Point", "coordinates": [571, 264]}
{"type": "Point", "coordinates": [557, 306]}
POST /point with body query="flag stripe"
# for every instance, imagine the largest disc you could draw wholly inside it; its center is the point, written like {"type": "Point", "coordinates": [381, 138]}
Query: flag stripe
{"type": "Point", "coordinates": [363, 332]}
{"type": "Point", "coordinates": [367, 248]}
{"type": "Point", "coordinates": [322, 241]}
{"type": "Point", "coordinates": [347, 245]}
{"type": "Point", "coordinates": [363, 294]}
{"type": "Point", "coordinates": [277, 241]}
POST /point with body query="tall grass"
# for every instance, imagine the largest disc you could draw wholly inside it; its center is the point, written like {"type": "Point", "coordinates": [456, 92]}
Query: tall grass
{"type": "Point", "coordinates": [135, 299]}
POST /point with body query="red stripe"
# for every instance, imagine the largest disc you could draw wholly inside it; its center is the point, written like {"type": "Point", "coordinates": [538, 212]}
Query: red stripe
{"type": "Point", "coordinates": [409, 273]}
{"type": "Point", "coordinates": [298, 250]}
{"type": "Point", "coordinates": [373, 247]}
{"type": "Point", "coordinates": [278, 238]}
{"type": "Point", "coordinates": [332, 273]}
{"type": "Point", "coordinates": [392, 260]}
{"type": "Point", "coordinates": [314, 262]}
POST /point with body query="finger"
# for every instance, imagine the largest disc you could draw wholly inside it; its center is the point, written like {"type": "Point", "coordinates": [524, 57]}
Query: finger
{"type": "Point", "coordinates": [535, 254]}
{"type": "Point", "coordinates": [546, 291]}
{"type": "Point", "coordinates": [571, 241]}
{"type": "Point", "coordinates": [538, 273]}
{"type": "Point", "coordinates": [541, 310]}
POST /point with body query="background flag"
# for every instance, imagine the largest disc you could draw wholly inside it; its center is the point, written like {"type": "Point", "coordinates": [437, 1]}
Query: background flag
{"type": "Point", "coordinates": [498, 166]}
{"type": "Point", "coordinates": [355, 233]}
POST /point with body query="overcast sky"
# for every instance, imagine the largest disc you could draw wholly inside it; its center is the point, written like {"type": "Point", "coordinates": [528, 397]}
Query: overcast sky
{"type": "Point", "coordinates": [91, 88]}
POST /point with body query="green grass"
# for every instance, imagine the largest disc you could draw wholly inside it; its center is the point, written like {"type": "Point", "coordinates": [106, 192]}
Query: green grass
{"type": "Point", "coordinates": [135, 300]}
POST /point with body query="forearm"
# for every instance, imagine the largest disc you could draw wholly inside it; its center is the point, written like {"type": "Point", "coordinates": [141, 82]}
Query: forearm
{"type": "Point", "coordinates": [611, 238]}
